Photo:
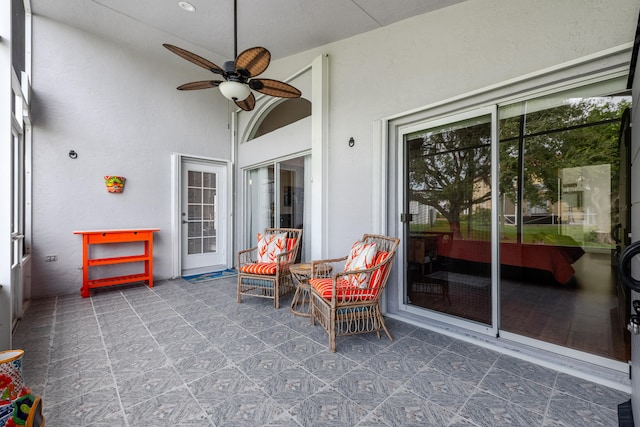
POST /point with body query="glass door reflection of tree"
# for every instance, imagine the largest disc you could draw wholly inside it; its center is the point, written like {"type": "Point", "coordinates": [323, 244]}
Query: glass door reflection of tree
{"type": "Point", "coordinates": [449, 226]}
{"type": "Point", "coordinates": [559, 186]}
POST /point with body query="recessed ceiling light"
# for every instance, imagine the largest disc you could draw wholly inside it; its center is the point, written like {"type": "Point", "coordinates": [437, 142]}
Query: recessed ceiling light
{"type": "Point", "coordinates": [187, 6]}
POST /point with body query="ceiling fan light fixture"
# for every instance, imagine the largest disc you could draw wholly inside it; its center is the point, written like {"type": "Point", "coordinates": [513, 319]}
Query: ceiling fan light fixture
{"type": "Point", "coordinates": [234, 91]}
{"type": "Point", "coordinates": [187, 6]}
{"type": "Point", "coordinates": [239, 74]}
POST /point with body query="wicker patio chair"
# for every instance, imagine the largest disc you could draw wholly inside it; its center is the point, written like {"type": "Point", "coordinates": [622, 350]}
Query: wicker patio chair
{"type": "Point", "coordinates": [347, 302]}
{"type": "Point", "coordinates": [268, 279]}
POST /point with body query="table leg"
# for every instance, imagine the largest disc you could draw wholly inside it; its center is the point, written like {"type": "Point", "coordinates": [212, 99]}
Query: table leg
{"type": "Point", "coordinates": [300, 304]}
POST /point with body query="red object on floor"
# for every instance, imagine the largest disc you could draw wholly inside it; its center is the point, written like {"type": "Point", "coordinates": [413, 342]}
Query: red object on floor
{"type": "Point", "coordinates": [101, 237]}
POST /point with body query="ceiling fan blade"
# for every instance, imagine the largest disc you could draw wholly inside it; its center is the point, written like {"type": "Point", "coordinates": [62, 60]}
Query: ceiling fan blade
{"type": "Point", "coordinates": [252, 62]}
{"type": "Point", "coordinates": [206, 84]}
{"type": "Point", "coordinates": [247, 104]}
{"type": "Point", "coordinates": [192, 57]}
{"type": "Point", "coordinates": [274, 88]}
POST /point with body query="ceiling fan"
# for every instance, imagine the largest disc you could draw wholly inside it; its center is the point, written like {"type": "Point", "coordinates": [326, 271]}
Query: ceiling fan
{"type": "Point", "coordinates": [239, 75]}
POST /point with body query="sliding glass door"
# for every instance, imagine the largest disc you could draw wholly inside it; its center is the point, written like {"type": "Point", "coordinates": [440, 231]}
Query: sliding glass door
{"type": "Point", "coordinates": [448, 225]}
{"type": "Point", "coordinates": [515, 220]}
{"type": "Point", "coordinates": [276, 195]}
{"type": "Point", "coordinates": [559, 195]}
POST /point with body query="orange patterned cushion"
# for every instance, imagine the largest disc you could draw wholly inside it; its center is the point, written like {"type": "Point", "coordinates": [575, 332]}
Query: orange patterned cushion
{"type": "Point", "coordinates": [262, 268]}
{"type": "Point", "coordinates": [376, 277]}
{"type": "Point", "coordinates": [361, 256]}
{"type": "Point", "coordinates": [291, 242]}
{"type": "Point", "coordinates": [270, 246]}
{"type": "Point", "coordinates": [343, 288]}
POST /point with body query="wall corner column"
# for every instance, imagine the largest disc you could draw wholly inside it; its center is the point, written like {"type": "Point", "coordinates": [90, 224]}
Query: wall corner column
{"type": "Point", "coordinates": [319, 156]}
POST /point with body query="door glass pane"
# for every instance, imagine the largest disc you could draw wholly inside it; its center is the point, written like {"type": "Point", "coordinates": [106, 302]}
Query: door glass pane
{"type": "Point", "coordinates": [559, 190]}
{"type": "Point", "coordinates": [449, 229]}
{"type": "Point", "coordinates": [195, 212]}
{"type": "Point", "coordinates": [209, 180]}
{"type": "Point", "coordinates": [195, 179]}
{"type": "Point", "coordinates": [260, 209]}
{"type": "Point", "coordinates": [195, 195]}
{"type": "Point", "coordinates": [202, 199]}
{"type": "Point", "coordinates": [292, 195]}
{"type": "Point", "coordinates": [195, 230]}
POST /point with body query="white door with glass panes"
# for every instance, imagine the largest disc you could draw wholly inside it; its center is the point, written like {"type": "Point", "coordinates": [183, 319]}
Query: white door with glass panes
{"type": "Point", "coordinates": [203, 217]}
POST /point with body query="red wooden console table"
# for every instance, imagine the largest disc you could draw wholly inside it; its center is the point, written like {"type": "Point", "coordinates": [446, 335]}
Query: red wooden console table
{"type": "Point", "coordinates": [100, 237]}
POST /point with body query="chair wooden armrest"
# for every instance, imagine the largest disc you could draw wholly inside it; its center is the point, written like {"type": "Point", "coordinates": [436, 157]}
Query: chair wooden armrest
{"type": "Point", "coordinates": [248, 256]}
{"type": "Point", "coordinates": [286, 258]}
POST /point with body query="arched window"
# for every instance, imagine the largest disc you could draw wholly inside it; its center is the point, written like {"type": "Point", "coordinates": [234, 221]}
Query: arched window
{"type": "Point", "coordinates": [284, 113]}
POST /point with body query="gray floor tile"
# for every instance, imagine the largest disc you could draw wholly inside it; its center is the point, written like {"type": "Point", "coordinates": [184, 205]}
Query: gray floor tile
{"type": "Point", "coordinates": [82, 382]}
{"type": "Point", "coordinates": [328, 366]}
{"type": "Point", "coordinates": [133, 347]}
{"type": "Point", "coordinates": [528, 370]}
{"type": "Point", "coordinates": [97, 408]}
{"type": "Point", "coordinates": [257, 323]}
{"type": "Point", "coordinates": [137, 364]}
{"type": "Point", "coordinates": [71, 347]}
{"type": "Point", "coordinates": [164, 312]}
{"type": "Point", "coordinates": [473, 351]}
{"type": "Point", "coordinates": [460, 367]}
{"type": "Point", "coordinates": [244, 410]}
{"type": "Point", "coordinates": [165, 323]}
{"type": "Point", "coordinates": [415, 351]}
{"type": "Point", "coordinates": [485, 409]}
{"type": "Point", "coordinates": [328, 408]}
{"type": "Point", "coordinates": [590, 391]}
{"type": "Point", "coordinates": [291, 386]}
{"type": "Point", "coordinates": [153, 383]}
{"type": "Point", "coordinates": [526, 393]}
{"type": "Point", "coordinates": [263, 365]}
{"type": "Point", "coordinates": [242, 348]}
{"type": "Point", "coordinates": [207, 324]}
{"type": "Point", "coordinates": [188, 354]}
{"type": "Point", "coordinates": [407, 409]}
{"type": "Point", "coordinates": [567, 410]}
{"type": "Point", "coordinates": [277, 334]}
{"type": "Point", "coordinates": [199, 365]}
{"type": "Point", "coordinates": [174, 408]}
{"type": "Point", "coordinates": [440, 388]}
{"type": "Point", "coordinates": [431, 337]}
{"type": "Point", "coordinates": [299, 348]}
{"type": "Point", "coordinates": [224, 382]}
{"type": "Point", "coordinates": [356, 348]}
{"type": "Point", "coordinates": [392, 365]}
{"type": "Point", "coordinates": [365, 387]}
{"type": "Point", "coordinates": [80, 362]}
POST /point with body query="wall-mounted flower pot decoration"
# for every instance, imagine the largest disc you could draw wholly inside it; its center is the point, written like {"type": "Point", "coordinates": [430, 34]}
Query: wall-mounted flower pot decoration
{"type": "Point", "coordinates": [115, 184]}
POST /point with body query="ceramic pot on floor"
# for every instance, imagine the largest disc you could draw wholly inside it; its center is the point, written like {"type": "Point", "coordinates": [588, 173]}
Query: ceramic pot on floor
{"type": "Point", "coordinates": [18, 406]}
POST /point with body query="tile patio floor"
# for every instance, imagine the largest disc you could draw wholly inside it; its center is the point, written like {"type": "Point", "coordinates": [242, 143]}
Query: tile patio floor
{"type": "Point", "coordinates": [187, 354]}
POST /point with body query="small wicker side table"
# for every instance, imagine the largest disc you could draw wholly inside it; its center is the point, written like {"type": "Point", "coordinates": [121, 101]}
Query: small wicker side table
{"type": "Point", "coordinates": [301, 299]}
{"type": "Point", "coordinates": [301, 302]}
